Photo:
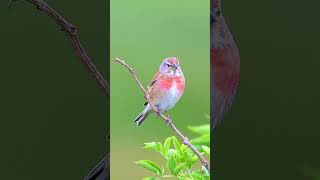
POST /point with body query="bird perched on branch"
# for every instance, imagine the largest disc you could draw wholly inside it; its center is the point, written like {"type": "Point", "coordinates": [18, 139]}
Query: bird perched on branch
{"type": "Point", "coordinates": [225, 64]}
{"type": "Point", "coordinates": [165, 90]}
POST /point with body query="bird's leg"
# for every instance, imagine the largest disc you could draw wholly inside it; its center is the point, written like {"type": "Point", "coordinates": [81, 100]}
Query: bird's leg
{"type": "Point", "coordinates": [157, 111]}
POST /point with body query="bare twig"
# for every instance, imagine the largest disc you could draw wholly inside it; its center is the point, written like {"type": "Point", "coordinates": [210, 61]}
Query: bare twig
{"type": "Point", "coordinates": [184, 140]}
{"type": "Point", "coordinates": [72, 35]}
{"type": "Point", "coordinates": [99, 168]}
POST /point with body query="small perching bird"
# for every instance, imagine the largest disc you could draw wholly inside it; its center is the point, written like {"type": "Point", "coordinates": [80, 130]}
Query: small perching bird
{"type": "Point", "coordinates": [225, 64]}
{"type": "Point", "coordinates": [165, 90]}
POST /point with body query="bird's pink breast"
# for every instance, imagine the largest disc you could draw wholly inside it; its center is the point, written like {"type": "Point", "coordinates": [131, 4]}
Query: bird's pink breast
{"type": "Point", "coordinates": [225, 65]}
{"type": "Point", "coordinates": [167, 83]}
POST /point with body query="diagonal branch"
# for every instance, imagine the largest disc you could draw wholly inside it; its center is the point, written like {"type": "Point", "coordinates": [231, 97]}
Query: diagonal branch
{"type": "Point", "coordinates": [184, 140]}
{"type": "Point", "coordinates": [71, 32]}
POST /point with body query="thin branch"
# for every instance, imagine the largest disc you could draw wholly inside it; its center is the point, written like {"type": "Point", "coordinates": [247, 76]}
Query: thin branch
{"type": "Point", "coordinates": [184, 140]}
{"type": "Point", "coordinates": [71, 32]}
{"type": "Point", "coordinates": [99, 168]}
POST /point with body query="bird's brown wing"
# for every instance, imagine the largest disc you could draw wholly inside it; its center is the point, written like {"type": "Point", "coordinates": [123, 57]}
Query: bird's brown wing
{"type": "Point", "coordinates": [153, 81]}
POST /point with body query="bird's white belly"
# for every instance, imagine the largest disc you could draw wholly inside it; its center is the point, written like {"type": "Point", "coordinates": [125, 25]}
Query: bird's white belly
{"type": "Point", "coordinates": [169, 99]}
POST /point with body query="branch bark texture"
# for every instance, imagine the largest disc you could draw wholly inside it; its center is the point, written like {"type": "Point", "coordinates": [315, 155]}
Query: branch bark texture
{"type": "Point", "coordinates": [102, 169]}
{"type": "Point", "coordinates": [184, 139]}
{"type": "Point", "coordinates": [71, 32]}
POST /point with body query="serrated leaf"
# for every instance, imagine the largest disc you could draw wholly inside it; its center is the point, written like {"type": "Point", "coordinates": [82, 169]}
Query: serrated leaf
{"type": "Point", "coordinates": [166, 146]}
{"type": "Point", "coordinates": [176, 143]}
{"type": "Point", "coordinates": [178, 168]}
{"type": "Point", "coordinates": [151, 166]}
{"type": "Point", "coordinates": [202, 129]}
{"type": "Point", "coordinates": [206, 149]}
{"type": "Point", "coordinates": [171, 165]}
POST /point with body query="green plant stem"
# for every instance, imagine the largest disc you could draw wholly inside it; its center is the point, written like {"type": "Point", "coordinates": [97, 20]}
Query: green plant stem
{"type": "Point", "coordinates": [184, 140]}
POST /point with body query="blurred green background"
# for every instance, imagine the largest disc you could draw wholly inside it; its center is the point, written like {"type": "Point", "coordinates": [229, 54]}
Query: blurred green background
{"type": "Point", "coordinates": [53, 115]}
{"type": "Point", "coordinates": [272, 130]}
{"type": "Point", "coordinates": [143, 33]}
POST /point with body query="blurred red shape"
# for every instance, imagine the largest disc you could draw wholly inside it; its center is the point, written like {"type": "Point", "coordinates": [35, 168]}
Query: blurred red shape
{"type": "Point", "coordinates": [225, 64]}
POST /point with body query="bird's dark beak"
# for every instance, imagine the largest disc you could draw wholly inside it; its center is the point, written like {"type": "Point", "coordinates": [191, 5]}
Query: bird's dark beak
{"type": "Point", "coordinates": [174, 67]}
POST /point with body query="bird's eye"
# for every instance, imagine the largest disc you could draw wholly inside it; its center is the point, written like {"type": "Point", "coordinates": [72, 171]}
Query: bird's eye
{"type": "Point", "coordinates": [168, 65]}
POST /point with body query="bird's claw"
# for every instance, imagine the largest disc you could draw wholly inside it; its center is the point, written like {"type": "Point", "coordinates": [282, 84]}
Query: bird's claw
{"type": "Point", "coordinates": [157, 111]}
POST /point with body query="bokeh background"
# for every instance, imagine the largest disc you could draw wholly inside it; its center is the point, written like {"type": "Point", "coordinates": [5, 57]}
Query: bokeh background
{"type": "Point", "coordinates": [272, 130]}
{"type": "Point", "coordinates": [53, 116]}
{"type": "Point", "coordinates": [143, 33]}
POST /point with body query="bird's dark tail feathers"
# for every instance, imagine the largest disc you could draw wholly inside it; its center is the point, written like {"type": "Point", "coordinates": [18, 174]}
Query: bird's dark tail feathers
{"type": "Point", "coordinates": [141, 117]}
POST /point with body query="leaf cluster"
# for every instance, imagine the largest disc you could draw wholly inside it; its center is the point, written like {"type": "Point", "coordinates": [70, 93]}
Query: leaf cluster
{"type": "Point", "coordinates": [180, 160]}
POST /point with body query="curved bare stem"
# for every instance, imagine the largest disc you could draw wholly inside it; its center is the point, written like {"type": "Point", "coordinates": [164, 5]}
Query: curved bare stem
{"type": "Point", "coordinates": [71, 32]}
{"type": "Point", "coordinates": [166, 119]}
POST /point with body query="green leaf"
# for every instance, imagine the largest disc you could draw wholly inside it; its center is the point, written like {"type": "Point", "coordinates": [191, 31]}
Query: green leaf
{"type": "Point", "coordinates": [159, 146]}
{"type": "Point", "coordinates": [206, 150]}
{"type": "Point", "coordinates": [178, 168]}
{"type": "Point", "coordinates": [184, 178]}
{"type": "Point", "coordinates": [202, 140]}
{"type": "Point", "coordinates": [192, 161]}
{"type": "Point", "coordinates": [151, 146]}
{"type": "Point", "coordinates": [205, 177]}
{"type": "Point", "coordinates": [195, 158]}
{"type": "Point", "coordinates": [150, 178]}
{"type": "Point", "coordinates": [196, 176]}
{"type": "Point", "coordinates": [179, 158]}
{"type": "Point", "coordinates": [176, 143]}
{"type": "Point", "coordinates": [151, 166]}
{"type": "Point", "coordinates": [202, 129]}
{"type": "Point", "coordinates": [171, 153]}
{"type": "Point", "coordinates": [183, 148]}
{"type": "Point", "coordinates": [166, 146]}
{"type": "Point", "coordinates": [171, 165]}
